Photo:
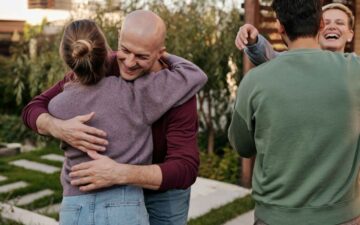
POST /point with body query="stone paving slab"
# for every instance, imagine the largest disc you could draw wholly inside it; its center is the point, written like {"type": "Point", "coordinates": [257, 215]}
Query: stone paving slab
{"type": "Point", "coordinates": [244, 219]}
{"type": "Point", "coordinates": [27, 164]}
{"type": "Point", "coordinates": [2, 178]}
{"type": "Point", "coordinates": [24, 216]}
{"type": "Point", "coordinates": [207, 194]}
{"type": "Point", "coordinates": [29, 198]}
{"type": "Point", "coordinates": [49, 209]}
{"type": "Point", "coordinates": [10, 187]}
{"type": "Point", "coordinates": [54, 157]}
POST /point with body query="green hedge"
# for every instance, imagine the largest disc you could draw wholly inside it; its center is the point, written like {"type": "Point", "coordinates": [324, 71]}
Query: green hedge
{"type": "Point", "coordinates": [12, 129]}
{"type": "Point", "coordinates": [224, 167]}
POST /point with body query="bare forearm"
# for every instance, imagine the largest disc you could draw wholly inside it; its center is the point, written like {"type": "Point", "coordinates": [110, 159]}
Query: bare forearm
{"type": "Point", "coordinates": [148, 176]}
{"type": "Point", "coordinates": [45, 124]}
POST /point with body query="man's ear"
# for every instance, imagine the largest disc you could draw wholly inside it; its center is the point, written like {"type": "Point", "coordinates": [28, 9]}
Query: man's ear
{"type": "Point", "coordinates": [161, 52]}
{"type": "Point", "coordinates": [280, 27]}
{"type": "Point", "coordinates": [282, 32]}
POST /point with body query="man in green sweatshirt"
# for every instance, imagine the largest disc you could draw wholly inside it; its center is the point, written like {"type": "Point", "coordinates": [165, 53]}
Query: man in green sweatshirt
{"type": "Point", "coordinates": [300, 115]}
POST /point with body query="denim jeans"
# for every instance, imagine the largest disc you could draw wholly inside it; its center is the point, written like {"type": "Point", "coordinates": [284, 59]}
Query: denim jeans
{"type": "Point", "coordinates": [168, 208]}
{"type": "Point", "coordinates": [123, 205]}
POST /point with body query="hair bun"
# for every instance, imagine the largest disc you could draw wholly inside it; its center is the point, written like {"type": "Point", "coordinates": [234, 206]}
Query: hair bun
{"type": "Point", "coordinates": [81, 48]}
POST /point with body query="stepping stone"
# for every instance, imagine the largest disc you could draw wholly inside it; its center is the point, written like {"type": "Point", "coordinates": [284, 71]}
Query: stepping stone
{"type": "Point", "coordinates": [9, 151]}
{"type": "Point", "coordinates": [29, 198]}
{"type": "Point", "coordinates": [24, 216]}
{"type": "Point", "coordinates": [54, 157]}
{"type": "Point", "coordinates": [35, 166]}
{"type": "Point", "coordinates": [208, 194]}
{"type": "Point", "coordinates": [14, 145]}
{"type": "Point", "coordinates": [49, 209]}
{"type": "Point", "coordinates": [2, 178]}
{"type": "Point", "coordinates": [12, 186]}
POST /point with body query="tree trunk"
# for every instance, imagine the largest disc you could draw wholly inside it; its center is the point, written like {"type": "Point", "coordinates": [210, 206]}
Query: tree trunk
{"type": "Point", "coordinates": [211, 140]}
{"type": "Point", "coordinates": [210, 127]}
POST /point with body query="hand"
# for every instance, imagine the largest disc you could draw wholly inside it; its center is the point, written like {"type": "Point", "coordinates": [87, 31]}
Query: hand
{"type": "Point", "coordinates": [247, 35]}
{"type": "Point", "coordinates": [164, 59]}
{"type": "Point", "coordinates": [79, 135]}
{"type": "Point", "coordinates": [99, 173]}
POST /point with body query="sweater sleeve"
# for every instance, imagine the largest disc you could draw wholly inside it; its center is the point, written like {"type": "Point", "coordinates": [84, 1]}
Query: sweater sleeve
{"type": "Point", "coordinates": [181, 164]}
{"type": "Point", "coordinates": [240, 137]}
{"type": "Point", "coordinates": [39, 104]}
{"type": "Point", "coordinates": [157, 92]}
{"type": "Point", "coordinates": [261, 51]}
{"type": "Point", "coordinates": [242, 126]}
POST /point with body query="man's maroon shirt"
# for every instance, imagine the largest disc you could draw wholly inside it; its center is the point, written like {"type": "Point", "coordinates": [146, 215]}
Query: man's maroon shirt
{"type": "Point", "coordinates": [174, 135]}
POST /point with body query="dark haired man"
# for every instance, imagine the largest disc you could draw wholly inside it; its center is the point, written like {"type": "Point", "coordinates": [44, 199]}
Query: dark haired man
{"type": "Point", "coordinates": [300, 115]}
{"type": "Point", "coordinates": [175, 156]}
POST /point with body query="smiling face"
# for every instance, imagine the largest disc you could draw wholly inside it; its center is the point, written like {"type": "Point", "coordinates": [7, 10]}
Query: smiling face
{"type": "Point", "coordinates": [136, 56]}
{"type": "Point", "coordinates": [141, 44]}
{"type": "Point", "coordinates": [336, 32]}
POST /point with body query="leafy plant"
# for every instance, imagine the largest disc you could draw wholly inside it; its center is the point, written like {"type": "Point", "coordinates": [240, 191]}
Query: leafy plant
{"type": "Point", "coordinates": [223, 168]}
{"type": "Point", "coordinates": [12, 129]}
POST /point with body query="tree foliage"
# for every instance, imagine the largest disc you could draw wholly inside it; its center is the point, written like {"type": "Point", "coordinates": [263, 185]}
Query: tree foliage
{"type": "Point", "coordinates": [201, 31]}
{"type": "Point", "coordinates": [204, 33]}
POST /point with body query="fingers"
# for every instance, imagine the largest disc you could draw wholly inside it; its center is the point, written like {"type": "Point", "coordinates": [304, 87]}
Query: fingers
{"type": "Point", "coordinates": [85, 142]}
{"type": "Point", "coordinates": [79, 174]}
{"type": "Point", "coordinates": [241, 39]}
{"type": "Point", "coordinates": [88, 129]}
{"type": "Point", "coordinates": [89, 187]}
{"type": "Point", "coordinates": [82, 136]}
{"type": "Point", "coordinates": [246, 35]}
{"type": "Point", "coordinates": [81, 181]}
{"type": "Point", "coordinates": [253, 36]}
{"type": "Point", "coordinates": [93, 142]}
{"type": "Point", "coordinates": [87, 183]}
{"type": "Point", "coordinates": [92, 130]}
{"type": "Point", "coordinates": [81, 166]}
{"type": "Point", "coordinates": [86, 117]}
{"type": "Point", "coordinates": [94, 155]}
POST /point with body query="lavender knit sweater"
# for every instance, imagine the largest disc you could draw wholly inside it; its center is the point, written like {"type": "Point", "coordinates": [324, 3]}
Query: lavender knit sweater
{"type": "Point", "coordinates": [125, 111]}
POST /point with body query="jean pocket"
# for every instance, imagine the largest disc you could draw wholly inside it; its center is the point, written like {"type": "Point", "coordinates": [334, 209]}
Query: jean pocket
{"type": "Point", "coordinates": [69, 214]}
{"type": "Point", "coordinates": [124, 213]}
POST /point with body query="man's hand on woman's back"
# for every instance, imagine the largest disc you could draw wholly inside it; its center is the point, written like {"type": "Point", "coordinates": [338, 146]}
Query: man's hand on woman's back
{"type": "Point", "coordinates": [73, 131]}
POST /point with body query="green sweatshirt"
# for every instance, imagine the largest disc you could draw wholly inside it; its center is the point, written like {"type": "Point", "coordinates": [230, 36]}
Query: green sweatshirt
{"type": "Point", "coordinates": [300, 115]}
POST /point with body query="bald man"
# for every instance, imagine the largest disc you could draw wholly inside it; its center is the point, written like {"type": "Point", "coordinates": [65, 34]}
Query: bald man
{"type": "Point", "coordinates": [141, 44]}
{"type": "Point", "coordinates": [141, 51]}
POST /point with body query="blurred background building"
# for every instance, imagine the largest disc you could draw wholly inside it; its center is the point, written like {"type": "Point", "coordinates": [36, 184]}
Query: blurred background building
{"type": "Point", "coordinates": [50, 4]}
{"type": "Point", "coordinates": [16, 13]}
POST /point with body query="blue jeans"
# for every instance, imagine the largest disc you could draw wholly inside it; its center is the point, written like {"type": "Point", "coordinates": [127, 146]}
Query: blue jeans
{"type": "Point", "coordinates": [168, 208]}
{"type": "Point", "coordinates": [122, 205]}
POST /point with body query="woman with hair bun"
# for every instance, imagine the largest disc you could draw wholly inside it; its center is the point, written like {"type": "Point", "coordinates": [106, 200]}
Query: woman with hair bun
{"type": "Point", "coordinates": [125, 110]}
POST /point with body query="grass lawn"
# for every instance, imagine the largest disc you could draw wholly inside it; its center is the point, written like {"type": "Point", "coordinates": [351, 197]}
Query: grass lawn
{"type": "Point", "coordinates": [225, 213]}
{"type": "Point", "coordinates": [37, 181]}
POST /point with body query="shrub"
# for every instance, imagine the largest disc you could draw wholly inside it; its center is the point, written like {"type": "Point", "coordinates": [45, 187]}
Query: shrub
{"type": "Point", "coordinates": [225, 167]}
{"type": "Point", "coordinates": [12, 129]}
